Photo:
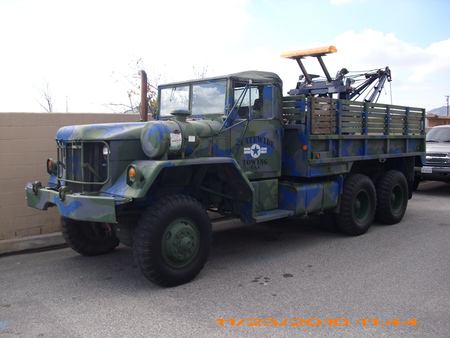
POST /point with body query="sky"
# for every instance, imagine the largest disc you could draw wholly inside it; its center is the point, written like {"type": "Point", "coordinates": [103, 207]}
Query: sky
{"type": "Point", "coordinates": [88, 52]}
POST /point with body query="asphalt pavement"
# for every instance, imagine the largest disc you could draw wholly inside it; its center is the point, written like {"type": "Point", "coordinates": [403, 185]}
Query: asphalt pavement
{"type": "Point", "coordinates": [279, 279]}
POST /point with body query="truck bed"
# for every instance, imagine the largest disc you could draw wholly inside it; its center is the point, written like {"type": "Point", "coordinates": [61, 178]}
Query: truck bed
{"type": "Point", "coordinates": [324, 136]}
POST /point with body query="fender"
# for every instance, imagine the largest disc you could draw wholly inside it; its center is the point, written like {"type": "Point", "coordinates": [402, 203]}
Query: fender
{"type": "Point", "coordinates": [148, 171]}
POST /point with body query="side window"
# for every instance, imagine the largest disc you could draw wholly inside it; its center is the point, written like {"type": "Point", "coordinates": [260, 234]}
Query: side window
{"type": "Point", "coordinates": [268, 102]}
{"type": "Point", "coordinates": [252, 102]}
{"type": "Point", "coordinates": [255, 102]}
{"type": "Point", "coordinates": [249, 101]}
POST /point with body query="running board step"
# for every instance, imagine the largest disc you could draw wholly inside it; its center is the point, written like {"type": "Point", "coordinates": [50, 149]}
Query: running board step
{"type": "Point", "coordinates": [265, 216]}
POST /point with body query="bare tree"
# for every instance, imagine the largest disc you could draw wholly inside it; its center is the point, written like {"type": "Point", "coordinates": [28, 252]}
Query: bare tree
{"type": "Point", "coordinates": [46, 95]}
{"type": "Point", "coordinates": [200, 72]}
{"type": "Point", "coordinates": [133, 89]}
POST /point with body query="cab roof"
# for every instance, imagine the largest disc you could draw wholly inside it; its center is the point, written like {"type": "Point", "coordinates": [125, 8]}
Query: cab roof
{"type": "Point", "coordinates": [254, 75]}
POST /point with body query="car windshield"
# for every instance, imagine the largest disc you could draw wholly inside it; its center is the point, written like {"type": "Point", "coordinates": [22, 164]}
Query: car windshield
{"type": "Point", "coordinates": [438, 135]}
{"type": "Point", "coordinates": [206, 98]}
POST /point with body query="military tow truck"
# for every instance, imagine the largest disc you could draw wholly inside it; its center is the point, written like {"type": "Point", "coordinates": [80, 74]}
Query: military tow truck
{"type": "Point", "coordinates": [232, 146]}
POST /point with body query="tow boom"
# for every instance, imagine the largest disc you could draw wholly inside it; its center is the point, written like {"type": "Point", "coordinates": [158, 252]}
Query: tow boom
{"type": "Point", "coordinates": [343, 85]}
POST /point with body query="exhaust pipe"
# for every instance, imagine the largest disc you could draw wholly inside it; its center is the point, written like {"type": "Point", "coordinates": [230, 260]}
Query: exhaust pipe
{"type": "Point", "coordinates": [144, 102]}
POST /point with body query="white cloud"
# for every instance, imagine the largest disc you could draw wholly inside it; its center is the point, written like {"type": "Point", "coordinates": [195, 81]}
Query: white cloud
{"type": "Point", "coordinates": [436, 62]}
{"type": "Point", "coordinates": [77, 46]}
{"type": "Point", "coordinates": [418, 73]}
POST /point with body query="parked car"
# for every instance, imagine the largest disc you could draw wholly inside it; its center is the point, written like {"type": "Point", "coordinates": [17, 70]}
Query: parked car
{"type": "Point", "coordinates": [437, 166]}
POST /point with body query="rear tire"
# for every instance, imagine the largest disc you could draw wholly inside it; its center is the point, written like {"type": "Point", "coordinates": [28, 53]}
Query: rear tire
{"type": "Point", "coordinates": [173, 240]}
{"type": "Point", "coordinates": [392, 197]}
{"type": "Point", "coordinates": [358, 203]}
{"type": "Point", "coordinates": [88, 238]}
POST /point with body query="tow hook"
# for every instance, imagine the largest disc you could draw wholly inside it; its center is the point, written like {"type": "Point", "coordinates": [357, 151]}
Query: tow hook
{"type": "Point", "coordinates": [62, 192]}
{"type": "Point", "coordinates": [36, 186]}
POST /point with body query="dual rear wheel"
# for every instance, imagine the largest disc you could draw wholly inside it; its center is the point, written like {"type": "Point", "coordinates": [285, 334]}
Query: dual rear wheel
{"type": "Point", "coordinates": [362, 201]}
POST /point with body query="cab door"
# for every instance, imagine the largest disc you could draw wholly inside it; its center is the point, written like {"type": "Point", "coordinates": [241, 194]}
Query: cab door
{"type": "Point", "coordinates": [254, 130]}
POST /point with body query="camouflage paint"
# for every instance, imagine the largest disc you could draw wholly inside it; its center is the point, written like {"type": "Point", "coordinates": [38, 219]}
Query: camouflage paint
{"type": "Point", "coordinates": [308, 198]}
{"type": "Point", "coordinates": [75, 206]}
{"type": "Point", "coordinates": [266, 160]}
{"type": "Point", "coordinates": [107, 131]}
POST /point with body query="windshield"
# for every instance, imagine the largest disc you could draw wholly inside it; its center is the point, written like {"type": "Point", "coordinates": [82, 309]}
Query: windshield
{"type": "Point", "coordinates": [438, 135]}
{"type": "Point", "coordinates": [173, 98]}
{"type": "Point", "coordinates": [201, 98]}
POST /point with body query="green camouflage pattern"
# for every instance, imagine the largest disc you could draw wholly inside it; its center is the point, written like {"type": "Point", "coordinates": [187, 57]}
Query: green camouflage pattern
{"type": "Point", "coordinates": [309, 198]}
{"type": "Point", "coordinates": [75, 206]}
{"type": "Point", "coordinates": [235, 144]}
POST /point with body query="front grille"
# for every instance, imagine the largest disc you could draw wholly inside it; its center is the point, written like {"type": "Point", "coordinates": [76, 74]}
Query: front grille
{"type": "Point", "coordinates": [440, 159]}
{"type": "Point", "coordinates": [82, 165]}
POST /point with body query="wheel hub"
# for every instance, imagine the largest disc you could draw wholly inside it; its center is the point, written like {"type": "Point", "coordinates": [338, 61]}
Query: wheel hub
{"type": "Point", "coordinates": [180, 243]}
{"type": "Point", "coordinates": [361, 206]}
{"type": "Point", "coordinates": [397, 198]}
{"type": "Point", "coordinates": [392, 198]}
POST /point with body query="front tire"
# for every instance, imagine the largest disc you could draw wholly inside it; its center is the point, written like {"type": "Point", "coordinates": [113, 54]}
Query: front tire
{"type": "Point", "coordinates": [358, 202]}
{"type": "Point", "coordinates": [392, 197]}
{"type": "Point", "coordinates": [88, 238]}
{"type": "Point", "coordinates": [173, 240]}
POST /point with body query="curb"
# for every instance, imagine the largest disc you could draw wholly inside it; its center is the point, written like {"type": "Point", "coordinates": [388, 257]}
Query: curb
{"type": "Point", "coordinates": [31, 243]}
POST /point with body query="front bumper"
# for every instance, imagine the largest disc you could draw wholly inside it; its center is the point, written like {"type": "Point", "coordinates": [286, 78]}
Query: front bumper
{"type": "Point", "coordinates": [98, 208]}
{"type": "Point", "coordinates": [433, 173]}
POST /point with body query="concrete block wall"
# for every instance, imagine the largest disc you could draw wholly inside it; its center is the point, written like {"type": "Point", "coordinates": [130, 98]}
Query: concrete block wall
{"type": "Point", "coordinates": [26, 141]}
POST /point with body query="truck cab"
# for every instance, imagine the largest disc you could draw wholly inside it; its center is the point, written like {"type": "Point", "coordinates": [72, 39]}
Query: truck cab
{"type": "Point", "coordinates": [245, 112]}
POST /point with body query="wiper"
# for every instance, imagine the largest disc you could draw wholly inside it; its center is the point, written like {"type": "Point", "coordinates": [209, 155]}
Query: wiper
{"type": "Point", "coordinates": [433, 141]}
{"type": "Point", "coordinates": [172, 93]}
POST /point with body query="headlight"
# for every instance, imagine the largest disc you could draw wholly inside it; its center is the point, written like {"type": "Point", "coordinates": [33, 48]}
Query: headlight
{"type": "Point", "coordinates": [52, 166]}
{"type": "Point", "coordinates": [106, 152]}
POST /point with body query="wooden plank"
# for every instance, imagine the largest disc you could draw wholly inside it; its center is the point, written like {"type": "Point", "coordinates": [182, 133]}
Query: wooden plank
{"type": "Point", "coordinates": [378, 111]}
{"type": "Point", "coordinates": [375, 131]}
{"type": "Point", "coordinates": [327, 113]}
{"type": "Point", "coordinates": [293, 111]}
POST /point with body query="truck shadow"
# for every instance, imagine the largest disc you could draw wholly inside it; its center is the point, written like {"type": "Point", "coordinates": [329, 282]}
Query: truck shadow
{"type": "Point", "coordinates": [233, 242]}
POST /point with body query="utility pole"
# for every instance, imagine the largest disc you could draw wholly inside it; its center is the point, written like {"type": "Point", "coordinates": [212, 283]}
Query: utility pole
{"type": "Point", "coordinates": [446, 97]}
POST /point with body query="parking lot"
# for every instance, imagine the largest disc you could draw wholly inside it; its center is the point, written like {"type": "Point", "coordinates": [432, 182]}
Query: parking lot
{"type": "Point", "coordinates": [279, 279]}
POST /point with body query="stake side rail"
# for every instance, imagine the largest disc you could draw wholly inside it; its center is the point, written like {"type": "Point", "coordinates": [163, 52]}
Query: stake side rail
{"type": "Point", "coordinates": [338, 131]}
